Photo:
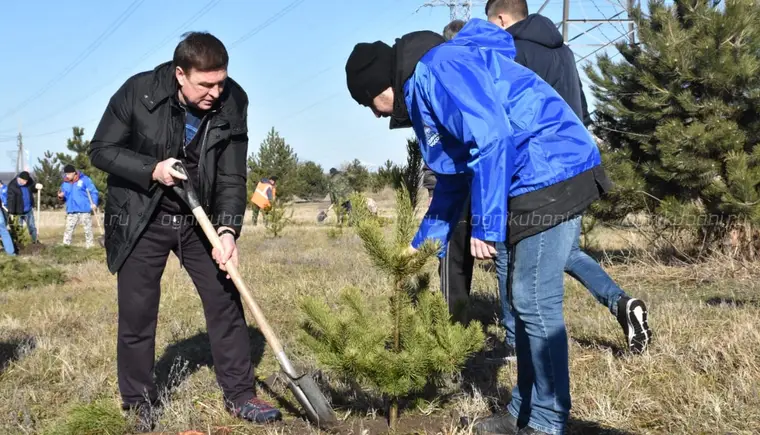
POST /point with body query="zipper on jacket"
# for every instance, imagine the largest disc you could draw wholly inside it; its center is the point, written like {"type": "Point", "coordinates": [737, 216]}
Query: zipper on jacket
{"type": "Point", "coordinates": [202, 159]}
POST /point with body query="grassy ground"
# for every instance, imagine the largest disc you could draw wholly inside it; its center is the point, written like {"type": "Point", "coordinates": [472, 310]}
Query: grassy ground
{"type": "Point", "coordinates": [57, 342]}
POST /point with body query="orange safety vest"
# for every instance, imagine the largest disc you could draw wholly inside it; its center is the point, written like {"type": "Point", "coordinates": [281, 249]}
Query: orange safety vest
{"type": "Point", "coordinates": [260, 197]}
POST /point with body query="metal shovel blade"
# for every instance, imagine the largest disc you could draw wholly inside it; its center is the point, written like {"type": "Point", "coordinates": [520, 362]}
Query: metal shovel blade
{"type": "Point", "coordinates": [313, 401]}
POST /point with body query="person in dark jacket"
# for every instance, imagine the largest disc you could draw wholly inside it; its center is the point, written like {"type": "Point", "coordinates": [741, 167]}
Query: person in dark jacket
{"type": "Point", "coordinates": [21, 192]}
{"type": "Point", "coordinates": [186, 110]}
{"type": "Point", "coordinates": [494, 131]}
{"type": "Point", "coordinates": [540, 48]}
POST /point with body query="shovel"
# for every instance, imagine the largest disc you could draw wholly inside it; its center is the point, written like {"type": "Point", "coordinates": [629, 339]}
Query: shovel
{"type": "Point", "coordinates": [102, 238]}
{"type": "Point", "coordinates": [303, 386]}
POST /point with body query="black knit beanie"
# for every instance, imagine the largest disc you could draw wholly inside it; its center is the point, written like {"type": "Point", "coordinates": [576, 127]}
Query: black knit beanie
{"type": "Point", "coordinates": [24, 176]}
{"type": "Point", "coordinates": [369, 71]}
{"type": "Point", "coordinates": [69, 169]}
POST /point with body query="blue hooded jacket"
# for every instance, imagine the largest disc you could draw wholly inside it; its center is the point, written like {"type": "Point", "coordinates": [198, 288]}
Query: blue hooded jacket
{"type": "Point", "coordinates": [75, 194]}
{"type": "Point", "coordinates": [489, 126]}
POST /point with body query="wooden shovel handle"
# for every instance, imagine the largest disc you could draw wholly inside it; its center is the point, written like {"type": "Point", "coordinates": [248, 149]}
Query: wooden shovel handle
{"type": "Point", "coordinates": [258, 315]}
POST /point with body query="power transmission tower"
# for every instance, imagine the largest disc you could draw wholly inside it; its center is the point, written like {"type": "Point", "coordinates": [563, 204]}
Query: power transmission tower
{"type": "Point", "coordinates": [620, 15]}
{"type": "Point", "coordinates": [458, 9]}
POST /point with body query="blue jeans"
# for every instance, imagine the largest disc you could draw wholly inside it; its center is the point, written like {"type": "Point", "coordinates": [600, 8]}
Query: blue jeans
{"type": "Point", "coordinates": [541, 397]}
{"type": "Point", "coordinates": [28, 217]}
{"type": "Point", "coordinates": [580, 266]}
{"type": "Point", "coordinates": [6, 236]}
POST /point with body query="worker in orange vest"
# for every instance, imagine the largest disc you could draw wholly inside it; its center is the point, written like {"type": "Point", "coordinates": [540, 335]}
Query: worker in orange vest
{"type": "Point", "coordinates": [263, 196]}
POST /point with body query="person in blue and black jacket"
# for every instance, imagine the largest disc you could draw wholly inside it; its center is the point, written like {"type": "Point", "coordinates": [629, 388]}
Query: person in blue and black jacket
{"type": "Point", "coordinates": [492, 129]}
{"type": "Point", "coordinates": [21, 192]}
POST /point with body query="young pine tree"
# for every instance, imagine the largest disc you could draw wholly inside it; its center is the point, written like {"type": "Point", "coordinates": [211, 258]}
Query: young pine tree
{"type": "Point", "coordinates": [677, 118]}
{"type": "Point", "coordinates": [275, 217]}
{"type": "Point", "coordinates": [401, 345]}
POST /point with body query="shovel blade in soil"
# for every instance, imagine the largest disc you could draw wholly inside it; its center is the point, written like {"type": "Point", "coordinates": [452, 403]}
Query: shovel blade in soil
{"type": "Point", "coordinates": [313, 401]}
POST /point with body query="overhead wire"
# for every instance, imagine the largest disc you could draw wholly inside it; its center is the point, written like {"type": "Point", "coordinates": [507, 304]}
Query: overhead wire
{"type": "Point", "coordinates": [113, 27]}
{"type": "Point", "coordinates": [182, 27]}
{"type": "Point", "coordinates": [337, 93]}
{"type": "Point", "coordinates": [273, 19]}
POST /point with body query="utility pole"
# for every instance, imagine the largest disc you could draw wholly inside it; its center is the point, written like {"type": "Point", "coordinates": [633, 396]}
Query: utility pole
{"type": "Point", "coordinates": [20, 155]}
{"type": "Point", "coordinates": [458, 9]}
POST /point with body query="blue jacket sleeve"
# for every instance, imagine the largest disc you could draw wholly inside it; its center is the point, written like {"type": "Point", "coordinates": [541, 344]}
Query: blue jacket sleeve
{"type": "Point", "coordinates": [449, 194]}
{"type": "Point", "coordinates": [463, 99]}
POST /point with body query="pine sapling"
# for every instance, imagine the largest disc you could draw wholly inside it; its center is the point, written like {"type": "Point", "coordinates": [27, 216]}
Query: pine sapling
{"type": "Point", "coordinates": [275, 217]}
{"type": "Point", "coordinates": [19, 233]}
{"type": "Point", "coordinates": [398, 344]}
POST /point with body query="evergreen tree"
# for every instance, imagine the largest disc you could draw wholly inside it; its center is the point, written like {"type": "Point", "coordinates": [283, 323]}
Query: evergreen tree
{"type": "Point", "coordinates": [398, 349]}
{"type": "Point", "coordinates": [275, 158]}
{"type": "Point", "coordinates": [48, 173]}
{"type": "Point", "coordinates": [387, 175]}
{"type": "Point", "coordinates": [411, 174]}
{"type": "Point", "coordinates": [275, 219]}
{"type": "Point", "coordinates": [357, 175]}
{"type": "Point", "coordinates": [677, 117]}
{"type": "Point", "coordinates": [81, 162]}
{"type": "Point", "coordinates": [312, 182]}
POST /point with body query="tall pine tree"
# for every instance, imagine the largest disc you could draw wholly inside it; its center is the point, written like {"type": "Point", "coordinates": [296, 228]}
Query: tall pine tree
{"type": "Point", "coordinates": [357, 175]}
{"type": "Point", "coordinates": [274, 158]}
{"type": "Point", "coordinates": [48, 173]}
{"type": "Point", "coordinates": [312, 181]}
{"type": "Point", "coordinates": [678, 120]}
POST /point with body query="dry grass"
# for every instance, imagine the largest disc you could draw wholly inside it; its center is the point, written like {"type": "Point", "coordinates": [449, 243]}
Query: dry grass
{"type": "Point", "coordinates": [57, 342]}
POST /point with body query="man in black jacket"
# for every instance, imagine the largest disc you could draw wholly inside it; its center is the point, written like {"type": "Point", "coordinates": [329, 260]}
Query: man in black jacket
{"type": "Point", "coordinates": [186, 109]}
{"type": "Point", "coordinates": [540, 47]}
{"type": "Point", "coordinates": [21, 192]}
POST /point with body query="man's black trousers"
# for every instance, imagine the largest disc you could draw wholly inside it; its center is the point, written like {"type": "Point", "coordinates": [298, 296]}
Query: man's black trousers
{"type": "Point", "coordinates": [456, 268]}
{"type": "Point", "coordinates": [139, 289]}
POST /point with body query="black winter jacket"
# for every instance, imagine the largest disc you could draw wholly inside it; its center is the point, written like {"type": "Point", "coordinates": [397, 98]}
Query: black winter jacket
{"type": "Point", "coordinates": [15, 204]}
{"type": "Point", "coordinates": [541, 49]}
{"type": "Point", "coordinates": [143, 125]}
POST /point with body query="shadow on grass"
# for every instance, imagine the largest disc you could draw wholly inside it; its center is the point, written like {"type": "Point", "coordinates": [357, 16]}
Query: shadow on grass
{"type": "Point", "coordinates": [183, 358]}
{"type": "Point", "coordinates": [582, 427]}
{"type": "Point", "coordinates": [14, 349]}
{"type": "Point", "coordinates": [600, 343]}
{"type": "Point", "coordinates": [731, 302]}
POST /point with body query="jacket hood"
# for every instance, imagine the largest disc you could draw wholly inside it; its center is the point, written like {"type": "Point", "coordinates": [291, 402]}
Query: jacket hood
{"type": "Point", "coordinates": [537, 29]}
{"type": "Point", "coordinates": [480, 33]}
{"type": "Point", "coordinates": [408, 50]}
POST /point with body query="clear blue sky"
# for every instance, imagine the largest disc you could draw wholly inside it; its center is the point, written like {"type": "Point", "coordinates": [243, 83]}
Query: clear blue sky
{"type": "Point", "coordinates": [57, 73]}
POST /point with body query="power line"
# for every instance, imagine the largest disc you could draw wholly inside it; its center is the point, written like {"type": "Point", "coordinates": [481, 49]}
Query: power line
{"type": "Point", "coordinates": [79, 59]}
{"type": "Point", "coordinates": [458, 9]}
{"type": "Point", "coordinates": [181, 28]}
{"type": "Point", "coordinates": [284, 11]}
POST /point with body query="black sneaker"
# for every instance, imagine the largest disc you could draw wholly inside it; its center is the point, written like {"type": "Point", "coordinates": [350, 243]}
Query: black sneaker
{"type": "Point", "coordinates": [632, 316]}
{"type": "Point", "coordinates": [504, 353]}
{"type": "Point", "coordinates": [497, 424]}
{"type": "Point", "coordinates": [256, 410]}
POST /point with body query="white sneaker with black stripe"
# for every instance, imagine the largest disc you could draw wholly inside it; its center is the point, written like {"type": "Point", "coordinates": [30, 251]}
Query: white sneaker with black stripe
{"type": "Point", "coordinates": [632, 316]}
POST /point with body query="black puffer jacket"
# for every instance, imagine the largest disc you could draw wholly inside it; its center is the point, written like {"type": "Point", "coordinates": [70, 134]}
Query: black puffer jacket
{"type": "Point", "coordinates": [541, 49]}
{"type": "Point", "coordinates": [16, 197]}
{"type": "Point", "coordinates": [143, 125]}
